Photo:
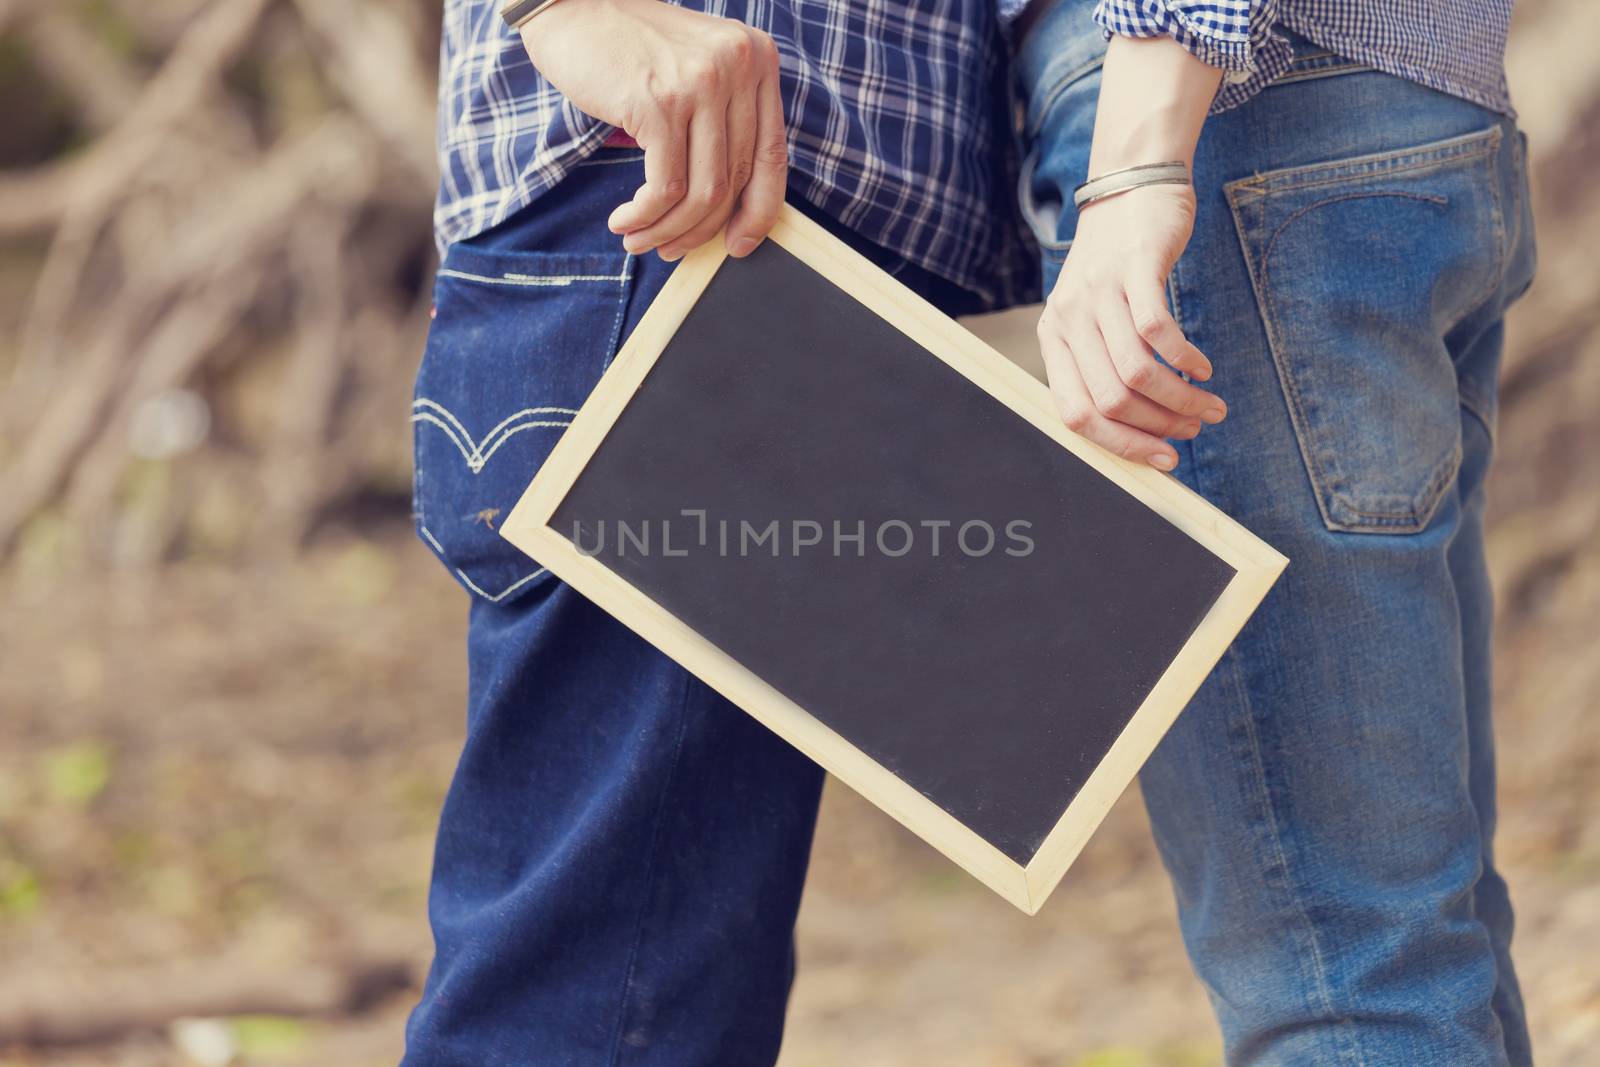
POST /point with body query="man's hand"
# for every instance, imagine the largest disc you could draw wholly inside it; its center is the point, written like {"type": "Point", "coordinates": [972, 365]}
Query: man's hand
{"type": "Point", "coordinates": [1107, 317]}
{"type": "Point", "coordinates": [699, 93]}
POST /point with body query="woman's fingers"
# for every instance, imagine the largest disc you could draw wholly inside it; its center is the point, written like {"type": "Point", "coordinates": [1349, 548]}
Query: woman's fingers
{"type": "Point", "coordinates": [1112, 397]}
{"type": "Point", "coordinates": [1108, 310]}
{"type": "Point", "coordinates": [1137, 367]}
{"type": "Point", "coordinates": [1114, 400]}
{"type": "Point", "coordinates": [1083, 416]}
{"type": "Point", "coordinates": [1153, 322]}
{"type": "Point", "coordinates": [769, 175]}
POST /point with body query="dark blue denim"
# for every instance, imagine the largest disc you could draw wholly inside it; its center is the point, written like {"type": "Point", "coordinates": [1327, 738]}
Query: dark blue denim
{"type": "Point", "coordinates": [1326, 805]}
{"type": "Point", "coordinates": [621, 852]}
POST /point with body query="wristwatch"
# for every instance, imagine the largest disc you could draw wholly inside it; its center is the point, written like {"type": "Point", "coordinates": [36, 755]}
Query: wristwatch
{"type": "Point", "coordinates": [518, 13]}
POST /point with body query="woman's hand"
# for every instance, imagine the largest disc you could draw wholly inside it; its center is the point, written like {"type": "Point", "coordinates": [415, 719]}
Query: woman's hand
{"type": "Point", "coordinates": [1107, 319]}
{"type": "Point", "coordinates": [701, 96]}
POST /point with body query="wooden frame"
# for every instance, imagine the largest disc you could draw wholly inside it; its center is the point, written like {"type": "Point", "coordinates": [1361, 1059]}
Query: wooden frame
{"type": "Point", "coordinates": [1256, 564]}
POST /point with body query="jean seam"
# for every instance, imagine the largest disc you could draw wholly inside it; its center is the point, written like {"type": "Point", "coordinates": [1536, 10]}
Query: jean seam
{"type": "Point", "coordinates": [1268, 825]}
{"type": "Point", "coordinates": [1291, 398]}
{"type": "Point", "coordinates": [614, 340]}
{"type": "Point", "coordinates": [1519, 163]}
{"type": "Point", "coordinates": [416, 434]}
{"type": "Point", "coordinates": [416, 475]}
{"type": "Point", "coordinates": [1484, 417]}
{"type": "Point", "coordinates": [1496, 280]}
{"type": "Point", "coordinates": [650, 875]}
{"type": "Point", "coordinates": [1314, 967]}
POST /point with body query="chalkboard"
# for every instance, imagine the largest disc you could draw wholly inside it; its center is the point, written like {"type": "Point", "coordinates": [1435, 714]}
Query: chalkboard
{"type": "Point", "coordinates": [870, 531]}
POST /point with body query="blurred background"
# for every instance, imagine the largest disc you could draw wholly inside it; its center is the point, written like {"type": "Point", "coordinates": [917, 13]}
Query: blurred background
{"type": "Point", "coordinates": [231, 682]}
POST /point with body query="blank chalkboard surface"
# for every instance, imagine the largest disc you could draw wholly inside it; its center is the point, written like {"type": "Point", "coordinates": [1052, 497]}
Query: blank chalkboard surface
{"type": "Point", "coordinates": [872, 532]}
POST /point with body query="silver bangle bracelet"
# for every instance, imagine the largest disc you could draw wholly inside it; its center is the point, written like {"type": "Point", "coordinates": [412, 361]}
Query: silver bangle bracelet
{"type": "Point", "coordinates": [1120, 181]}
{"type": "Point", "coordinates": [518, 13]}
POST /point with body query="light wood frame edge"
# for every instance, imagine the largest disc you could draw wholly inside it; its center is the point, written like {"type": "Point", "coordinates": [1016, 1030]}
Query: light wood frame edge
{"type": "Point", "coordinates": [1256, 564]}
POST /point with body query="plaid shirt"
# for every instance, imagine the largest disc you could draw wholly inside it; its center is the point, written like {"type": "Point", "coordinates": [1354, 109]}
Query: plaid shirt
{"type": "Point", "coordinates": [1455, 46]}
{"type": "Point", "coordinates": [897, 116]}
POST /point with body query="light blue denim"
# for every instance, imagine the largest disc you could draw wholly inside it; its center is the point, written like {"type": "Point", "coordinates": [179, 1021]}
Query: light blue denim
{"type": "Point", "coordinates": [1326, 805]}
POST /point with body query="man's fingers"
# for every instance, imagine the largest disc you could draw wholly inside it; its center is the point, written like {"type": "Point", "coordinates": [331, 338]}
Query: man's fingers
{"type": "Point", "coordinates": [1136, 365]}
{"type": "Point", "coordinates": [1078, 410]}
{"type": "Point", "coordinates": [1147, 301]}
{"type": "Point", "coordinates": [741, 149]}
{"type": "Point", "coordinates": [763, 196]}
{"type": "Point", "coordinates": [717, 146]}
{"type": "Point", "coordinates": [708, 185]}
{"type": "Point", "coordinates": [705, 229]}
{"type": "Point", "coordinates": [666, 180]}
{"type": "Point", "coordinates": [741, 142]}
{"type": "Point", "coordinates": [699, 234]}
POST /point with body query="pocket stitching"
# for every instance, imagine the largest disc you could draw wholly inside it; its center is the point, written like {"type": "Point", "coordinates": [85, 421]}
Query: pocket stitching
{"type": "Point", "coordinates": [474, 452]}
{"type": "Point", "coordinates": [530, 281]}
{"type": "Point", "coordinates": [459, 436]}
{"type": "Point", "coordinates": [1398, 161]}
{"type": "Point", "coordinates": [495, 598]}
{"type": "Point", "coordinates": [475, 462]}
{"type": "Point", "coordinates": [1417, 517]}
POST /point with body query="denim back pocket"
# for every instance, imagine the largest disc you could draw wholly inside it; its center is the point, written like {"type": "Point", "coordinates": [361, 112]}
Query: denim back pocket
{"type": "Point", "coordinates": [1040, 202]}
{"type": "Point", "coordinates": [1361, 268]}
{"type": "Point", "coordinates": [518, 341]}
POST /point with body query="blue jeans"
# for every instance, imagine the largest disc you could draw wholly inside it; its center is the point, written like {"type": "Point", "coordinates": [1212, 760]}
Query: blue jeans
{"type": "Point", "coordinates": [1326, 805]}
{"type": "Point", "coordinates": [621, 852]}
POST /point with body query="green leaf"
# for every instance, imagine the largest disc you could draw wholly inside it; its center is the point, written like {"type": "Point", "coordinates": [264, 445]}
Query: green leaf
{"type": "Point", "coordinates": [269, 1035]}
{"type": "Point", "coordinates": [1117, 1056]}
{"type": "Point", "coordinates": [77, 773]}
{"type": "Point", "coordinates": [20, 891]}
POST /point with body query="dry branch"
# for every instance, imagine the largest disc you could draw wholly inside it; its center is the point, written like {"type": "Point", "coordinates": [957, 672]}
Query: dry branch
{"type": "Point", "coordinates": [176, 92]}
{"type": "Point", "coordinates": [146, 1002]}
{"type": "Point", "coordinates": [78, 61]}
{"type": "Point", "coordinates": [207, 222]}
{"type": "Point", "coordinates": [216, 241]}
